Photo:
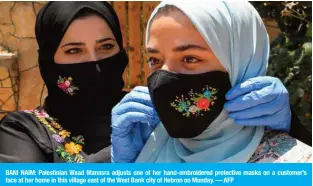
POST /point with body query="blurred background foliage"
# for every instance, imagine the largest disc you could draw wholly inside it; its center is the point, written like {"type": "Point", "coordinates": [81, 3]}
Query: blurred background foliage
{"type": "Point", "coordinates": [291, 52]}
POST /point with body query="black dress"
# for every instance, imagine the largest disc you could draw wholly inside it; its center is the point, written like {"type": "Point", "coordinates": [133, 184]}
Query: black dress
{"type": "Point", "coordinates": [33, 136]}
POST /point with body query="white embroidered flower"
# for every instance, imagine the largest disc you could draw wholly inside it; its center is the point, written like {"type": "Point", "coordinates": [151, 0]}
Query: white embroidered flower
{"type": "Point", "coordinates": [70, 90]}
{"type": "Point", "coordinates": [193, 108]}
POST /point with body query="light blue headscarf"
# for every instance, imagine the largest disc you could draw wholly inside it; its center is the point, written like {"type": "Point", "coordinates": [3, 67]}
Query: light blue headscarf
{"type": "Point", "coordinates": [236, 34]}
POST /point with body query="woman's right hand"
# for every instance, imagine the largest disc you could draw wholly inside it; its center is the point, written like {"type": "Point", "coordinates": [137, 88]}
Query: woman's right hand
{"type": "Point", "coordinates": [133, 120]}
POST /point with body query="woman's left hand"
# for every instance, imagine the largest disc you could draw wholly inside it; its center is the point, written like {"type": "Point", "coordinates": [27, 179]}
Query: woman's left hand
{"type": "Point", "coordinates": [260, 101]}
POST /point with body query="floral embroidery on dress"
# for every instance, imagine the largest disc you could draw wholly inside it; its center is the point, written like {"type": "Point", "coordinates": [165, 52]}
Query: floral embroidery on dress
{"type": "Point", "coordinates": [68, 148]}
{"type": "Point", "coordinates": [197, 103]}
{"type": "Point", "coordinates": [73, 148]}
{"type": "Point", "coordinates": [64, 133]}
{"type": "Point", "coordinates": [279, 147]}
{"type": "Point", "coordinates": [66, 84]}
{"type": "Point", "coordinates": [282, 143]}
{"type": "Point", "coordinates": [58, 138]}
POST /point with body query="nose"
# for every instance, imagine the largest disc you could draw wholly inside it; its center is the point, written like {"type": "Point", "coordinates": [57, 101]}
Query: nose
{"type": "Point", "coordinates": [171, 66]}
{"type": "Point", "coordinates": [93, 56]}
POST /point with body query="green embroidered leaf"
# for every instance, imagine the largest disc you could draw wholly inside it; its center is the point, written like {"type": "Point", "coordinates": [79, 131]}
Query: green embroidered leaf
{"type": "Point", "coordinates": [69, 159]}
{"type": "Point", "coordinates": [79, 158]}
{"type": "Point", "coordinates": [59, 149]}
{"type": "Point", "coordinates": [64, 154]}
{"type": "Point", "coordinates": [79, 140]}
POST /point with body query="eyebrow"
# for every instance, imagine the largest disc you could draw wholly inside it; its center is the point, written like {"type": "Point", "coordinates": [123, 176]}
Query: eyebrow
{"type": "Point", "coordinates": [81, 43]}
{"type": "Point", "coordinates": [180, 48]}
{"type": "Point", "coordinates": [187, 47]}
{"type": "Point", "coordinates": [105, 39]}
{"type": "Point", "coordinates": [73, 43]}
{"type": "Point", "coordinates": [152, 50]}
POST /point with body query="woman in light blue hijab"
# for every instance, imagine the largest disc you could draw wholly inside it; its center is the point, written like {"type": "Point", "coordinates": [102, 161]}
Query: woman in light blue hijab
{"type": "Point", "coordinates": [197, 51]}
{"type": "Point", "coordinates": [236, 35]}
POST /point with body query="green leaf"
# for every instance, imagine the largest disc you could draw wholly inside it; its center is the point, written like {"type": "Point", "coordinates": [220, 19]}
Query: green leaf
{"type": "Point", "coordinates": [307, 48]}
{"type": "Point", "coordinates": [309, 30]}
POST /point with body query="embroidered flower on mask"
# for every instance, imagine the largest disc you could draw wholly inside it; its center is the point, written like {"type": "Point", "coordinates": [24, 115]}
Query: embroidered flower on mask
{"type": "Point", "coordinates": [193, 109]}
{"type": "Point", "coordinates": [66, 84]}
{"type": "Point", "coordinates": [196, 103]}
{"type": "Point", "coordinates": [203, 103]}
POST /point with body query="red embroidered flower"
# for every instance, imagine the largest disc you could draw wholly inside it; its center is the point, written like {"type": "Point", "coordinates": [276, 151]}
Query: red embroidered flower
{"type": "Point", "coordinates": [195, 104]}
{"type": "Point", "coordinates": [62, 86]}
{"type": "Point", "coordinates": [203, 103]}
{"type": "Point", "coordinates": [66, 85]}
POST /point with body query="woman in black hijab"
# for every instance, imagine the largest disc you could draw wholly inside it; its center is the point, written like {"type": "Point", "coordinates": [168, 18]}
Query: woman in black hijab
{"type": "Point", "coordinates": [81, 60]}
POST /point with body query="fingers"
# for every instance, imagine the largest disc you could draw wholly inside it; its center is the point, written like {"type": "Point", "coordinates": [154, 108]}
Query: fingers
{"type": "Point", "coordinates": [123, 124]}
{"type": "Point", "coordinates": [133, 107]}
{"type": "Point", "coordinates": [248, 86]}
{"type": "Point", "coordinates": [255, 98]}
{"type": "Point", "coordinates": [260, 110]}
{"type": "Point", "coordinates": [141, 89]}
{"type": "Point", "coordinates": [139, 97]}
{"type": "Point", "coordinates": [278, 120]}
{"type": "Point", "coordinates": [137, 137]}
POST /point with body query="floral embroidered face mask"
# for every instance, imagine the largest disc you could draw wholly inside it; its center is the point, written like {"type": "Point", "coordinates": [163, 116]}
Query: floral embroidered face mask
{"type": "Point", "coordinates": [188, 103]}
{"type": "Point", "coordinates": [80, 88]}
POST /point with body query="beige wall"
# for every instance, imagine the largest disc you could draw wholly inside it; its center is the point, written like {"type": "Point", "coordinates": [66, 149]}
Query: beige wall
{"type": "Point", "coordinates": [17, 21]}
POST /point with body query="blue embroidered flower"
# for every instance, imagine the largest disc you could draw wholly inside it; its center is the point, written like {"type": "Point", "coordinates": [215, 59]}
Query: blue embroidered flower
{"type": "Point", "coordinates": [207, 94]}
{"type": "Point", "coordinates": [195, 103]}
{"type": "Point", "coordinates": [182, 107]}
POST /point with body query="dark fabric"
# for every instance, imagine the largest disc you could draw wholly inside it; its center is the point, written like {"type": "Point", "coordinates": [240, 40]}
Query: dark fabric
{"type": "Point", "coordinates": [54, 18]}
{"type": "Point", "coordinates": [51, 24]}
{"type": "Point", "coordinates": [298, 131]}
{"type": "Point", "coordinates": [188, 103]}
{"type": "Point", "coordinates": [87, 109]}
{"type": "Point", "coordinates": [99, 87]}
{"type": "Point", "coordinates": [24, 139]}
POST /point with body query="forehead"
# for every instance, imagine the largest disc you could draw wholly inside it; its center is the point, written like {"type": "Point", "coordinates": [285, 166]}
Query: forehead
{"type": "Point", "coordinates": [175, 28]}
{"type": "Point", "coordinates": [88, 28]}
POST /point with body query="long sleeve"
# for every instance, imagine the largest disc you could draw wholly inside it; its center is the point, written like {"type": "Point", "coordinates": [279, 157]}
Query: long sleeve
{"type": "Point", "coordinates": [22, 141]}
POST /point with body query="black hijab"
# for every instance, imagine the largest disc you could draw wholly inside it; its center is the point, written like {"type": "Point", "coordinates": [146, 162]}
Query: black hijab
{"type": "Point", "coordinates": [99, 84]}
{"type": "Point", "coordinates": [55, 17]}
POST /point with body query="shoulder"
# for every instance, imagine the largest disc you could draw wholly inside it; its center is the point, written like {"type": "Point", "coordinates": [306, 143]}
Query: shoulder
{"type": "Point", "coordinates": [26, 122]}
{"type": "Point", "coordinates": [23, 120]}
{"type": "Point", "coordinates": [19, 117]}
{"type": "Point", "coordinates": [281, 147]}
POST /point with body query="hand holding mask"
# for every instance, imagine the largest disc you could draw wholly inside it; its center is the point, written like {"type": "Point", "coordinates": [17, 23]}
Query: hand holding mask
{"type": "Point", "coordinates": [188, 103]}
{"type": "Point", "coordinates": [260, 101]}
{"type": "Point", "coordinates": [133, 120]}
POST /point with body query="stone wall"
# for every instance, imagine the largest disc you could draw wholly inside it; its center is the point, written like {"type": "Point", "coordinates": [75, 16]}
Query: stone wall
{"type": "Point", "coordinates": [17, 22]}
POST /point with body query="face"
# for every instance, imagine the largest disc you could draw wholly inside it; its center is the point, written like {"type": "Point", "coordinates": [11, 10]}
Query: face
{"type": "Point", "coordinates": [86, 39]}
{"type": "Point", "coordinates": [176, 45]}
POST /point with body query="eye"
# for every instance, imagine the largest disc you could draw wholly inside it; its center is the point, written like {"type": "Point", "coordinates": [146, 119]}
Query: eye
{"type": "Point", "coordinates": [106, 47]}
{"type": "Point", "coordinates": [153, 61]}
{"type": "Point", "coordinates": [73, 51]}
{"type": "Point", "coordinates": [190, 59]}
